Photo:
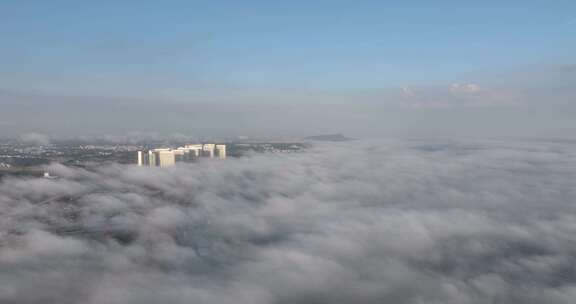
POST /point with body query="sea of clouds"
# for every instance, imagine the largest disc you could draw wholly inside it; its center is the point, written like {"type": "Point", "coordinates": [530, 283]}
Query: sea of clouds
{"type": "Point", "coordinates": [357, 222]}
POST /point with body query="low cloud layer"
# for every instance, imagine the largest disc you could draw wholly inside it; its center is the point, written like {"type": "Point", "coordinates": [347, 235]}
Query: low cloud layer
{"type": "Point", "coordinates": [386, 222]}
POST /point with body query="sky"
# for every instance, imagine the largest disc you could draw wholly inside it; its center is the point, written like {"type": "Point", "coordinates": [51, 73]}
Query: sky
{"type": "Point", "coordinates": [349, 64]}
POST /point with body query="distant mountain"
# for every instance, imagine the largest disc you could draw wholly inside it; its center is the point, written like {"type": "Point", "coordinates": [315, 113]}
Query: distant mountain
{"type": "Point", "coordinates": [329, 137]}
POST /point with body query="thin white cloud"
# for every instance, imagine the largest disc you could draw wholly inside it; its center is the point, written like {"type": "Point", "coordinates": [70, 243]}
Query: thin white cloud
{"type": "Point", "coordinates": [459, 95]}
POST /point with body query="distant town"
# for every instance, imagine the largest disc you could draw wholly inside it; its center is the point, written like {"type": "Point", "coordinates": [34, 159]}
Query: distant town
{"type": "Point", "coordinates": [18, 158]}
{"type": "Point", "coordinates": [23, 158]}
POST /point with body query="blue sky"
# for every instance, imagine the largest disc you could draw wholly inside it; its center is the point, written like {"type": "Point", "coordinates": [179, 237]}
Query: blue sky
{"type": "Point", "coordinates": [430, 54]}
{"type": "Point", "coordinates": [50, 45]}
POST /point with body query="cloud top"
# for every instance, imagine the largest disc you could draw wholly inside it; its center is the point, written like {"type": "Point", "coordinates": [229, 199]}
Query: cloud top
{"type": "Point", "coordinates": [373, 222]}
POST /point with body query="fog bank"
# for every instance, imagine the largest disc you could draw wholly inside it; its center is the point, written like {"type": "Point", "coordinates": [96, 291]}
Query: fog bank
{"type": "Point", "coordinates": [358, 222]}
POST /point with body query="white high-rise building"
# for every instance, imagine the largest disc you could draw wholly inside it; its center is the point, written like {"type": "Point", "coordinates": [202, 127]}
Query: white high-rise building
{"type": "Point", "coordinates": [166, 157]}
{"type": "Point", "coordinates": [221, 151]}
{"type": "Point", "coordinates": [196, 149]}
{"type": "Point", "coordinates": [208, 150]}
{"type": "Point", "coordinates": [152, 159]}
{"type": "Point", "coordinates": [140, 158]}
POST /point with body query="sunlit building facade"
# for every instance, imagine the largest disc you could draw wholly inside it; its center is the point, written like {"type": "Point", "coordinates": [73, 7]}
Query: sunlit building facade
{"type": "Point", "coordinates": [167, 157]}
